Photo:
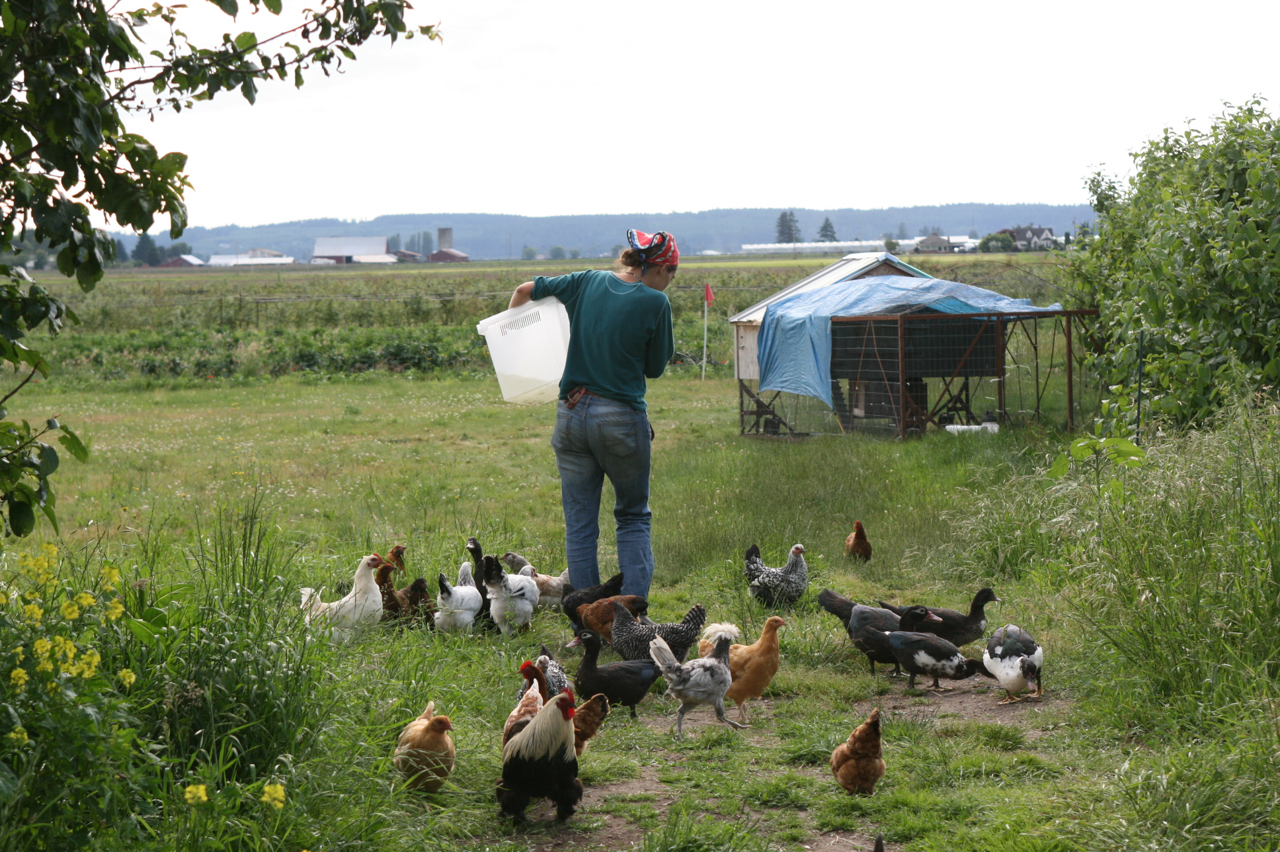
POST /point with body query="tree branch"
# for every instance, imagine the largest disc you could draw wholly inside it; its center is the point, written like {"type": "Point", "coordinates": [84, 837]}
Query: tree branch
{"type": "Point", "coordinates": [20, 386]}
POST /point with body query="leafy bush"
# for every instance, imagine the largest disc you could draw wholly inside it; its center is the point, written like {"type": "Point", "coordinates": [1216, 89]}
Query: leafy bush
{"type": "Point", "coordinates": [1186, 253]}
{"type": "Point", "coordinates": [70, 759]}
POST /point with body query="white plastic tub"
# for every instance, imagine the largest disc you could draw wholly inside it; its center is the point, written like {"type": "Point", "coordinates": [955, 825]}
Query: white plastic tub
{"type": "Point", "coordinates": [528, 346]}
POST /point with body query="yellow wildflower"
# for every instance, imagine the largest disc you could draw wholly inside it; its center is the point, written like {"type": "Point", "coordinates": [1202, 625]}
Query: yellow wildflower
{"type": "Point", "coordinates": [33, 613]}
{"type": "Point", "coordinates": [64, 648]}
{"type": "Point", "coordinates": [21, 654]}
{"type": "Point", "coordinates": [4, 598]}
{"type": "Point", "coordinates": [196, 794]}
{"type": "Point", "coordinates": [85, 600]}
{"type": "Point", "coordinates": [70, 611]}
{"type": "Point", "coordinates": [127, 677]}
{"type": "Point", "coordinates": [19, 677]}
{"type": "Point", "coordinates": [44, 666]}
{"type": "Point", "coordinates": [115, 609]}
{"type": "Point", "coordinates": [51, 686]}
{"type": "Point", "coordinates": [273, 795]}
{"type": "Point", "coordinates": [19, 735]}
{"type": "Point", "coordinates": [41, 646]}
{"type": "Point", "coordinates": [88, 666]}
{"type": "Point", "coordinates": [110, 576]}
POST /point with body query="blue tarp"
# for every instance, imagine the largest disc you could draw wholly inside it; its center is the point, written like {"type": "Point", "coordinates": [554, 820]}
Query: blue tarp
{"type": "Point", "coordinates": [794, 347]}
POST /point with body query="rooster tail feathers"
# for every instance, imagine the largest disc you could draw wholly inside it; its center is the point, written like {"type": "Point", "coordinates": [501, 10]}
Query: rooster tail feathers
{"type": "Point", "coordinates": [712, 632]}
{"type": "Point", "coordinates": [660, 651]}
{"type": "Point", "coordinates": [753, 552]}
{"type": "Point", "coordinates": [836, 604]}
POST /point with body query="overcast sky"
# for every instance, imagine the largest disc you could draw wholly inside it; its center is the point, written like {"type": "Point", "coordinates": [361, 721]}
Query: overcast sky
{"type": "Point", "coordinates": [596, 107]}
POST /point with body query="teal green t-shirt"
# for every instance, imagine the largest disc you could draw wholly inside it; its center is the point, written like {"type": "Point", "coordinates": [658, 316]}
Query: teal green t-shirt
{"type": "Point", "coordinates": [619, 333]}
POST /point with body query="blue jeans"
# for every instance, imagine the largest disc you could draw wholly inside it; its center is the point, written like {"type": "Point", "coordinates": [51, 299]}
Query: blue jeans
{"type": "Point", "coordinates": [599, 437]}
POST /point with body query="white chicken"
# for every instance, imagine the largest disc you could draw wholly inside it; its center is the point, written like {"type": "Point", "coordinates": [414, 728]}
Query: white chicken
{"type": "Point", "coordinates": [457, 606]}
{"type": "Point", "coordinates": [550, 589]}
{"type": "Point", "coordinates": [361, 608]}
{"type": "Point", "coordinates": [512, 597]}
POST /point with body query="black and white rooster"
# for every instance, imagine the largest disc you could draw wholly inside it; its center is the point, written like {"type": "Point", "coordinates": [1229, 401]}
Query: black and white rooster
{"type": "Point", "coordinates": [701, 681]}
{"type": "Point", "coordinates": [777, 586]}
{"type": "Point", "coordinates": [540, 762]}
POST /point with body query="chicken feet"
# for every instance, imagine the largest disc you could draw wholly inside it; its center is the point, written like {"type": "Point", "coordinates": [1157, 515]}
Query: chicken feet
{"type": "Point", "coordinates": [719, 706]}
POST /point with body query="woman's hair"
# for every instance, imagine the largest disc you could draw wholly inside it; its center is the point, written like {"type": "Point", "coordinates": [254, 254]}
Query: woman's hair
{"type": "Point", "coordinates": [629, 258]}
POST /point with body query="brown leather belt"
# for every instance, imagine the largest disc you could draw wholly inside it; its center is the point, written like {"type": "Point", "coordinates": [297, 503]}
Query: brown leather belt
{"type": "Point", "coordinates": [575, 396]}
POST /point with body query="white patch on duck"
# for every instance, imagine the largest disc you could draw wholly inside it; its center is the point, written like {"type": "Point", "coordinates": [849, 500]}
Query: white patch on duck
{"type": "Point", "coordinates": [931, 664]}
{"type": "Point", "coordinates": [1008, 670]}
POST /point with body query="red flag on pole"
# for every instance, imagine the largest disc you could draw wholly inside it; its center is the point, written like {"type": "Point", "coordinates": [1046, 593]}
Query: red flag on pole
{"type": "Point", "coordinates": [711, 297]}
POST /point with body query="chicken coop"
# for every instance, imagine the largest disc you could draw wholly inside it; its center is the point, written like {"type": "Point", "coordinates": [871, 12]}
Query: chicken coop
{"type": "Point", "coordinates": [873, 344]}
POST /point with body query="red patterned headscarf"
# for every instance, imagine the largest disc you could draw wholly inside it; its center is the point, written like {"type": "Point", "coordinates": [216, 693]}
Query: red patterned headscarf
{"type": "Point", "coordinates": [658, 248]}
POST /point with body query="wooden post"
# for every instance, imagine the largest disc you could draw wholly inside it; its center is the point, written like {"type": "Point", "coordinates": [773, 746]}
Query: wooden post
{"type": "Point", "coordinates": [902, 376]}
{"type": "Point", "coordinates": [1070, 381]}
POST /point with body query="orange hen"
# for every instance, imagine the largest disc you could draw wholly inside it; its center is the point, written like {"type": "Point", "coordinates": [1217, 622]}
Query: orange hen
{"type": "Point", "coordinates": [598, 616]}
{"type": "Point", "coordinates": [425, 753]}
{"type": "Point", "coordinates": [856, 546]}
{"type": "Point", "coordinates": [587, 720]}
{"type": "Point", "coordinates": [752, 666]}
{"type": "Point", "coordinates": [857, 763]}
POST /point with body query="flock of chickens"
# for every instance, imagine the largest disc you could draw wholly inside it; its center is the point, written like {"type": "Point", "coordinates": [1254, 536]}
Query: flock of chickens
{"type": "Point", "coordinates": [547, 730]}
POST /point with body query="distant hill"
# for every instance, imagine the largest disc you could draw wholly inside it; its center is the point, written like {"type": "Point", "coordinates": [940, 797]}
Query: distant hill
{"type": "Point", "coordinates": [499, 236]}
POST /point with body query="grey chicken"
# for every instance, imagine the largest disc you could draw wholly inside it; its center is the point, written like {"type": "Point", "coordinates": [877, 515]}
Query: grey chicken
{"type": "Point", "coordinates": [777, 586]}
{"type": "Point", "coordinates": [701, 681]}
{"type": "Point", "coordinates": [631, 638]}
{"type": "Point", "coordinates": [552, 671]}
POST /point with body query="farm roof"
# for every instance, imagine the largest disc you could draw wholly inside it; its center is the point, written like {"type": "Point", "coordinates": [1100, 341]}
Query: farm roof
{"type": "Point", "coordinates": [795, 334]}
{"type": "Point", "coordinates": [845, 268]}
{"type": "Point", "coordinates": [349, 246]}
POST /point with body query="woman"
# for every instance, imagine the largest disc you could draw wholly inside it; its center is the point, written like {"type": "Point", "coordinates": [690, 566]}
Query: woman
{"type": "Point", "coordinates": [620, 334]}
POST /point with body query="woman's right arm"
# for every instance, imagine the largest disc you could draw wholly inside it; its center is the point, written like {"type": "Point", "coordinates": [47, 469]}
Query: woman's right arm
{"type": "Point", "coordinates": [522, 295]}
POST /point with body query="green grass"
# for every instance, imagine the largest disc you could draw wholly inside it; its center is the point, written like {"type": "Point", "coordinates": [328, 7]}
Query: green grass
{"type": "Point", "coordinates": [217, 502]}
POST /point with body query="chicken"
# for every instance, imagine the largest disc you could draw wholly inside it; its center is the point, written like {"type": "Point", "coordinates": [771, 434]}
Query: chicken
{"type": "Point", "coordinates": [701, 681]}
{"type": "Point", "coordinates": [392, 605]}
{"type": "Point", "coordinates": [625, 683]}
{"type": "Point", "coordinates": [577, 597]}
{"type": "Point", "coordinates": [631, 638]}
{"type": "Point", "coordinates": [425, 753]}
{"type": "Point", "coordinates": [867, 626]}
{"type": "Point", "coordinates": [587, 719]}
{"type": "Point", "coordinates": [598, 616]}
{"type": "Point", "coordinates": [532, 697]}
{"type": "Point", "coordinates": [419, 600]}
{"type": "Point", "coordinates": [857, 763]}
{"type": "Point", "coordinates": [777, 586]}
{"type": "Point", "coordinates": [752, 666]}
{"type": "Point", "coordinates": [550, 589]}
{"type": "Point", "coordinates": [484, 617]}
{"type": "Point", "coordinates": [554, 678]}
{"type": "Point", "coordinates": [362, 606]}
{"type": "Point", "coordinates": [956, 627]}
{"type": "Point", "coordinates": [1013, 658]}
{"type": "Point", "coordinates": [856, 545]}
{"type": "Point", "coordinates": [927, 654]}
{"type": "Point", "coordinates": [540, 762]}
{"type": "Point", "coordinates": [457, 606]}
{"type": "Point", "coordinates": [512, 598]}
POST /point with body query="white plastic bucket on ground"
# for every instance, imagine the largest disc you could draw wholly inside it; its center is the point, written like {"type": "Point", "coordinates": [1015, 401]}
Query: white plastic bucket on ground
{"type": "Point", "coordinates": [528, 346]}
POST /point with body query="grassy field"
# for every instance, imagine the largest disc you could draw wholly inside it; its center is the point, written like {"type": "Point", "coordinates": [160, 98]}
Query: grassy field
{"type": "Point", "coordinates": [216, 502]}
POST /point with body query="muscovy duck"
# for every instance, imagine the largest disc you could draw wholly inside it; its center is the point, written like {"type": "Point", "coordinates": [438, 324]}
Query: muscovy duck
{"type": "Point", "coordinates": [932, 656]}
{"type": "Point", "coordinates": [1014, 659]}
{"type": "Point", "coordinates": [867, 626]}
{"type": "Point", "coordinates": [957, 628]}
{"type": "Point", "coordinates": [625, 683]}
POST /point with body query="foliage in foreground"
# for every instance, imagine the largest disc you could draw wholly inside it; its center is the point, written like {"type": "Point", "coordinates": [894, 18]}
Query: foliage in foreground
{"type": "Point", "coordinates": [1187, 254]}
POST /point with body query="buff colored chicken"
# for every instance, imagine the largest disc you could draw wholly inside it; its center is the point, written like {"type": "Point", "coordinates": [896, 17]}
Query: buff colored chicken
{"type": "Point", "coordinates": [752, 666]}
{"type": "Point", "coordinates": [857, 763]}
{"type": "Point", "coordinates": [587, 720]}
{"type": "Point", "coordinates": [425, 752]}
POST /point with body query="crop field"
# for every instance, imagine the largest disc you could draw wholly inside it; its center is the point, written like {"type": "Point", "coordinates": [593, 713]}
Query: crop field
{"type": "Point", "coordinates": [211, 717]}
